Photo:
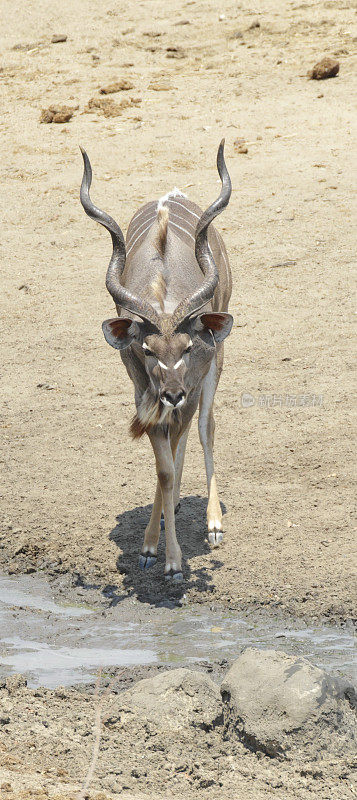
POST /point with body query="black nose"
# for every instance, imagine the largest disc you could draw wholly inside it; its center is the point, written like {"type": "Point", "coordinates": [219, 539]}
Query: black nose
{"type": "Point", "coordinates": [172, 398]}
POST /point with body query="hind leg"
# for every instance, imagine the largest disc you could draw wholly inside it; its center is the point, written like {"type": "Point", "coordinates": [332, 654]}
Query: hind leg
{"type": "Point", "coordinates": [206, 426]}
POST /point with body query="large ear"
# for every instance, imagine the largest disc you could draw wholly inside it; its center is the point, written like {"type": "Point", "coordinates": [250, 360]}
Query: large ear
{"type": "Point", "coordinates": [120, 332]}
{"type": "Point", "coordinates": [219, 323]}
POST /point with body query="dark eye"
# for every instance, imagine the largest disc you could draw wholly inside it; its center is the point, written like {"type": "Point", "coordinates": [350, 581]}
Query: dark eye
{"type": "Point", "coordinates": [148, 352]}
{"type": "Point", "coordinates": [188, 349]}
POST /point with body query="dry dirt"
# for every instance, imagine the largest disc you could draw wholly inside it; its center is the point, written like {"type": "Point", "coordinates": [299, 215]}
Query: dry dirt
{"type": "Point", "coordinates": [76, 492]}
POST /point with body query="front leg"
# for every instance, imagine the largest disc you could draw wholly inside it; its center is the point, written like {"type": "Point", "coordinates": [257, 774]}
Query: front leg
{"type": "Point", "coordinates": [206, 427]}
{"type": "Point", "coordinates": [165, 468]}
{"type": "Point", "coordinates": [148, 555]}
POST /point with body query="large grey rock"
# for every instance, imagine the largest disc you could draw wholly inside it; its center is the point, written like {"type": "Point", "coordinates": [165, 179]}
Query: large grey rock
{"type": "Point", "coordinates": [173, 700]}
{"type": "Point", "coordinates": [285, 706]}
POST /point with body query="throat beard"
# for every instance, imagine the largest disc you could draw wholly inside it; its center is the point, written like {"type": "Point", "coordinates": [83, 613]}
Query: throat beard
{"type": "Point", "coordinates": [150, 412]}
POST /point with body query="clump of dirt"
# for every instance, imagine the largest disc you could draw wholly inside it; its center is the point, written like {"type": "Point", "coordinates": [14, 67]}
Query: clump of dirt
{"type": "Point", "coordinates": [26, 47]}
{"type": "Point", "coordinates": [175, 52]}
{"type": "Point", "coordinates": [109, 107]}
{"type": "Point", "coordinates": [326, 68]}
{"type": "Point", "coordinates": [160, 85]}
{"type": "Point", "coordinates": [240, 146]}
{"type": "Point", "coordinates": [117, 86]}
{"type": "Point", "coordinates": [57, 114]}
{"type": "Point", "coordinates": [59, 37]}
{"type": "Point", "coordinates": [255, 24]}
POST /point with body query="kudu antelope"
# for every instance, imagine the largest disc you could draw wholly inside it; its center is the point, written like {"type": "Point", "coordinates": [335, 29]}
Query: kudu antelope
{"type": "Point", "coordinates": [172, 279]}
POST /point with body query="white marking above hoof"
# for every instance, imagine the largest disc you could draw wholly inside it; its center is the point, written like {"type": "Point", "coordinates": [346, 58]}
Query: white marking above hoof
{"type": "Point", "coordinates": [214, 525]}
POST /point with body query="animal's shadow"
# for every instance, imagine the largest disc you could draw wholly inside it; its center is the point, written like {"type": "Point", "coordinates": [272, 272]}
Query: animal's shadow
{"type": "Point", "coordinates": [150, 586]}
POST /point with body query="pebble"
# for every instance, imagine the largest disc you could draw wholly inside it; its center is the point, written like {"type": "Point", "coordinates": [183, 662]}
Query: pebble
{"type": "Point", "coordinates": [326, 68]}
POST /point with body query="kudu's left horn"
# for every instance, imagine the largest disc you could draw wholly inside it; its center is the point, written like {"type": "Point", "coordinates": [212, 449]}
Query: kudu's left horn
{"type": "Point", "coordinates": [203, 251]}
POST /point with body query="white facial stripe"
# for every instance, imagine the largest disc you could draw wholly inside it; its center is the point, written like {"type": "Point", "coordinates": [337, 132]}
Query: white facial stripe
{"type": "Point", "coordinates": [163, 366]}
{"type": "Point", "coordinates": [166, 402]}
{"type": "Point", "coordinates": [178, 363]}
{"type": "Point", "coordinates": [145, 346]}
{"type": "Point", "coordinates": [170, 405]}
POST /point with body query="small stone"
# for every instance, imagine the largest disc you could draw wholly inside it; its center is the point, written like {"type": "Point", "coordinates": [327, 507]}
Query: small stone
{"type": "Point", "coordinates": [254, 24]}
{"type": "Point", "coordinates": [326, 68]}
{"type": "Point", "coordinates": [58, 37]}
{"type": "Point", "coordinates": [6, 787]}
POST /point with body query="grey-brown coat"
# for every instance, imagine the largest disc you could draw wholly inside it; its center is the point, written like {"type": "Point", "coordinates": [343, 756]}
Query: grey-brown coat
{"type": "Point", "coordinates": [171, 283]}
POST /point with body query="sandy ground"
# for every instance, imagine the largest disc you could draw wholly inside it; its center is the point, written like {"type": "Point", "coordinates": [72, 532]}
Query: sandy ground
{"type": "Point", "coordinates": [76, 492]}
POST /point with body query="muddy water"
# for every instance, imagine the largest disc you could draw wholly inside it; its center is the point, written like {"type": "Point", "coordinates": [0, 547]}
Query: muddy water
{"type": "Point", "coordinates": [54, 644]}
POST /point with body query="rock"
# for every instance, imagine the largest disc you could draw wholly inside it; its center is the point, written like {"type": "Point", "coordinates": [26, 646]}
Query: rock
{"type": "Point", "coordinates": [174, 700]}
{"type": "Point", "coordinates": [58, 37]}
{"type": "Point", "coordinates": [284, 706]}
{"type": "Point", "coordinates": [117, 86]}
{"type": "Point", "coordinates": [326, 68]}
{"type": "Point", "coordinates": [253, 25]}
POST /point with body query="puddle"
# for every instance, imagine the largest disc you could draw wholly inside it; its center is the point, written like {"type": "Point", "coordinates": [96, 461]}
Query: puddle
{"type": "Point", "coordinates": [57, 645]}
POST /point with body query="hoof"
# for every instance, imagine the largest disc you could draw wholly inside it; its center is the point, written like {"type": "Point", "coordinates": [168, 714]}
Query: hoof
{"type": "Point", "coordinates": [176, 577]}
{"type": "Point", "coordinates": [162, 523]}
{"type": "Point", "coordinates": [215, 538]}
{"type": "Point", "coordinates": [147, 560]}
